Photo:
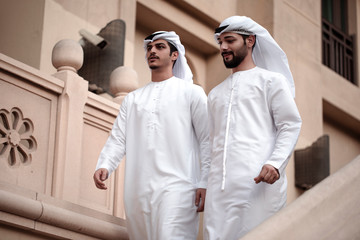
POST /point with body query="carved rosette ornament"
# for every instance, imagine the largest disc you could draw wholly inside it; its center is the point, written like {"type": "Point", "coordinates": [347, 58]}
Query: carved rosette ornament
{"type": "Point", "coordinates": [16, 140]}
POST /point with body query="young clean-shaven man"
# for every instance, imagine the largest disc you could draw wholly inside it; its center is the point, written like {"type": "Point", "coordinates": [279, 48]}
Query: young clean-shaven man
{"type": "Point", "coordinates": [162, 129]}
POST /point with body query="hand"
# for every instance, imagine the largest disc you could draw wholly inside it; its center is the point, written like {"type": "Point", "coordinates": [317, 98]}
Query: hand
{"type": "Point", "coordinates": [200, 199]}
{"type": "Point", "coordinates": [268, 174]}
{"type": "Point", "coordinates": [99, 177]}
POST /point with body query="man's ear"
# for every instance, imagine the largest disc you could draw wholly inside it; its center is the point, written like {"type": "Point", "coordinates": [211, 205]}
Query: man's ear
{"type": "Point", "coordinates": [174, 55]}
{"type": "Point", "coordinates": [250, 41]}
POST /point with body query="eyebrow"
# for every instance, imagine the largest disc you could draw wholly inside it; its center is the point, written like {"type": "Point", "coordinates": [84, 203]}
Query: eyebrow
{"type": "Point", "coordinates": [159, 43]}
{"type": "Point", "coordinates": [229, 36]}
{"type": "Point", "coordinates": [156, 44]}
{"type": "Point", "coordinates": [226, 37]}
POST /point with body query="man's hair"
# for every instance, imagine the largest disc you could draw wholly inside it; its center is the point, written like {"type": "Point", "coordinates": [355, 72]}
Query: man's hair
{"type": "Point", "coordinates": [172, 49]}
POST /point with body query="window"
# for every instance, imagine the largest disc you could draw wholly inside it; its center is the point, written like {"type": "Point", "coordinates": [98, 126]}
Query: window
{"type": "Point", "coordinates": [337, 45]}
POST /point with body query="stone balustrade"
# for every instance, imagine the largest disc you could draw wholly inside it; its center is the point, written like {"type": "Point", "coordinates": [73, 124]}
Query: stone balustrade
{"type": "Point", "coordinates": [51, 168]}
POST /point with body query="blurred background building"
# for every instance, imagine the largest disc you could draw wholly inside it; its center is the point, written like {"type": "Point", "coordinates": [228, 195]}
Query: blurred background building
{"type": "Point", "coordinates": [60, 92]}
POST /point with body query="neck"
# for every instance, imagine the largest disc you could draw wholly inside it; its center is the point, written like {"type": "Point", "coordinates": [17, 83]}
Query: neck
{"type": "Point", "coordinates": [246, 64]}
{"type": "Point", "coordinates": [157, 75]}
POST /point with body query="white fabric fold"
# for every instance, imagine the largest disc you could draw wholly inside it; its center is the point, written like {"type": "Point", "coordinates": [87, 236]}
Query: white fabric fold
{"type": "Point", "coordinates": [227, 134]}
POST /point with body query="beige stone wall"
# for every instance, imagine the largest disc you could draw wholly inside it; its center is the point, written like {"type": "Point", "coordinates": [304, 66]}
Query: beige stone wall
{"type": "Point", "coordinates": [294, 22]}
{"type": "Point", "coordinates": [21, 25]}
{"type": "Point", "coordinates": [344, 145]}
{"type": "Point", "coordinates": [29, 29]}
{"type": "Point", "coordinates": [297, 29]}
{"type": "Point", "coordinates": [140, 64]}
{"type": "Point", "coordinates": [218, 10]}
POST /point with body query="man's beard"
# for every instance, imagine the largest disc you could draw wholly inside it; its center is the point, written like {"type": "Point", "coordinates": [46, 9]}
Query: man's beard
{"type": "Point", "coordinates": [153, 67]}
{"type": "Point", "coordinates": [236, 60]}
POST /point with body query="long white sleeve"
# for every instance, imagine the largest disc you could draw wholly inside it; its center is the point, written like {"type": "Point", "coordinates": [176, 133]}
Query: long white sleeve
{"type": "Point", "coordinates": [199, 117]}
{"type": "Point", "coordinates": [115, 147]}
{"type": "Point", "coordinates": [287, 121]}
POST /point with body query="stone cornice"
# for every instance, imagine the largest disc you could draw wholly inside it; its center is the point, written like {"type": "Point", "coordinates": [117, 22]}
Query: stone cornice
{"type": "Point", "coordinates": [72, 218]}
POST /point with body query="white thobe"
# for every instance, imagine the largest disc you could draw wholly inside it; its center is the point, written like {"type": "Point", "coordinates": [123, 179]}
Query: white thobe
{"type": "Point", "coordinates": [162, 128]}
{"type": "Point", "coordinates": [254, 118]}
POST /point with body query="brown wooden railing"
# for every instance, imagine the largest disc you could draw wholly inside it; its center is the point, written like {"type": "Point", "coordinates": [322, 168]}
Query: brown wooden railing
{"type": "Point", "coordinates": [338, 50]}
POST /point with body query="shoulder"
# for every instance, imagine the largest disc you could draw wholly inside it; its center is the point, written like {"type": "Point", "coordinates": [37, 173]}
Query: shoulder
{"type": "Point", "coordinates": [197, 93]}
{"type": "Point", "coordinates": [269, 75]}
{"type": "Point", "coordinates": [140, 90]}
{"type": "Point", "coordinates": [130, 97]}
{"type": "Point", "coordinates": [197, 89]}
{"type": "Point", "coordinates": [276, 83]}
{"type": "Point", "coordinates": [189, 87]}
{"type": "Point", "coordinates": [179, 81]}
{"type": "Point", "coordinates": [272, 79]}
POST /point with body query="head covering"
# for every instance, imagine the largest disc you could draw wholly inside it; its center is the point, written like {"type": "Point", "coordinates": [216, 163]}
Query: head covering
{"type": "Point", "coordinates": [266, 53]}
{"type": "Point", "coordinates": [181, 69]}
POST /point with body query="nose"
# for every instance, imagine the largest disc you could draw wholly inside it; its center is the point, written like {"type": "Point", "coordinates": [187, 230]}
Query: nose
{"type": "Point", "coordinates": [150, 49]}
{"type": "Point", "coordinates": [150, 52]}
{"type": "Point", "coordinates": [223, 46]}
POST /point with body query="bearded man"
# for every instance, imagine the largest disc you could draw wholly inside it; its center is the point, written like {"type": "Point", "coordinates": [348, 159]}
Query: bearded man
{"type": "Point", "coordinates": [254, 126]}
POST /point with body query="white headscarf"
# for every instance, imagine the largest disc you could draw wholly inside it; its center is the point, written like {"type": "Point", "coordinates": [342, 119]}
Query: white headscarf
{"type": "Point", "coordinates": [267, 53]}
{"type": "Point", "coordinates": [181, 69]}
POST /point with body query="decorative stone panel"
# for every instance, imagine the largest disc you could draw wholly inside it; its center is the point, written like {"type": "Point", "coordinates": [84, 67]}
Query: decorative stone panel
{"type": "Point", "coordinates": [16, 140]}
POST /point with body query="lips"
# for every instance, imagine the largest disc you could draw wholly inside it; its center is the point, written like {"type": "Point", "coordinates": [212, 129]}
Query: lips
{"type": "Point", "coordinates": [227, 55]}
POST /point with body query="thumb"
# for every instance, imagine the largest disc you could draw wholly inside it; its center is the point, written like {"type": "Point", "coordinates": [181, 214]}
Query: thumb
{"type": "Point", "coordinates": [258, 178]}
{"type": "Point", "coordinates": [197, 199]}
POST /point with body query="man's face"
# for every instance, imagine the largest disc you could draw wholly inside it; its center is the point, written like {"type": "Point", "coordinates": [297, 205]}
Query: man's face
{"type": "Point", "coordinates": [158, 54]}
{"type": "Point", "coordinates": [232, 48]}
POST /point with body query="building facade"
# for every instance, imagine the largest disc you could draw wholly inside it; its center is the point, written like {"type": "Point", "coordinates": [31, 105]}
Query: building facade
{"type": "Point", "coordinates": [68, 125]}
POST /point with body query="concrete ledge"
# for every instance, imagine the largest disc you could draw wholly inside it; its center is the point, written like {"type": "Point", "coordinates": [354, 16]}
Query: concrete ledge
{"type": "Point", "coordinates": [330, 210]}
{"type": "Point", "coordinates": [26, 213]}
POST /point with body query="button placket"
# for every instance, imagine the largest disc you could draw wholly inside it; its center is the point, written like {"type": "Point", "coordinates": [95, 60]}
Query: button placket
{"type": "Point", "coordinates": [154, 104]}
